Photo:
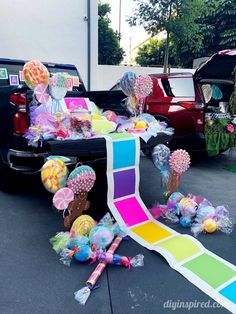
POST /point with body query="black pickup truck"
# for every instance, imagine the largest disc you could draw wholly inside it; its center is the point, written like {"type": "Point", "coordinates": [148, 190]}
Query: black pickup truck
{"type": "Point", "coordinates": [15, 154]}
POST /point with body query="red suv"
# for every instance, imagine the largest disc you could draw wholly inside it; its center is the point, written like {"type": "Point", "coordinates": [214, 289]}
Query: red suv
{"type": "Point", "coordinates": [178, 98]}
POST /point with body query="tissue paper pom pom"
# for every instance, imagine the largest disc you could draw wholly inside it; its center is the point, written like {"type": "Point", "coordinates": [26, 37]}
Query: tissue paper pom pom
{"type": "Point", "coordinates": [101, 236]}
{"type": "Point", "coordinates": [179, 161]}
{"type": "Point", "coordinates": [83, 225]}
{"type": "Point", "coordinates": [54, 175]}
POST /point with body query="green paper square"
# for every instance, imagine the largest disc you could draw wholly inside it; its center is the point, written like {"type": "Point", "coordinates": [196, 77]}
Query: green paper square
{"type": "Point", "coordinates": [116, 136]}
{"type": "Point", "coordinates": [210, 269]}
{"type": "Point", "coordinates": [3, 74]}
{"type": "Point", "coordinates": [180, 247]}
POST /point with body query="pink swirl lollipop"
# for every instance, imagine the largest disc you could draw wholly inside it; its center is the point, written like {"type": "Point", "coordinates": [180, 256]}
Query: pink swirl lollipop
{"type": "Point", "coordinates": [179, 161]}
{"type": "Point", "coordinates": [41, 93]}
{"type": "Point", "coordinates": [62, 198]}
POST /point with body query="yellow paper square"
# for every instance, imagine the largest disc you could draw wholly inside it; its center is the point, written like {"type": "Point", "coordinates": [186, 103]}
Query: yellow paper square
{"type": "Point", "coordinates": [151, 232]}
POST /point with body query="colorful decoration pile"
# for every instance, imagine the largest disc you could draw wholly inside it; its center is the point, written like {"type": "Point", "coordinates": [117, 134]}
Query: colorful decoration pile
{"type": "Point", "coordinates": [195, 212]}
{"type": "Point", "coordinates": [86, 239]}
{"type": "Point", "coordinates": [137, 88]}
{"type": "Point", "coordinates": [53, 116]}
{"type": "Point", "coordinates": [171, 165]}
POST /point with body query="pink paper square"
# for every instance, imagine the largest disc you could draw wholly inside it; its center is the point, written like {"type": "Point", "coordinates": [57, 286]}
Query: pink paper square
{"type": "Point", "coordinates": [131, 211]}
{"type": "Point", "coordinates": [74, 103]}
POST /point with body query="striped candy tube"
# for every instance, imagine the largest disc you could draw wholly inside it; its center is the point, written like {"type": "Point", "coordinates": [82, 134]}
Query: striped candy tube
{"type": "Point", "coordinates": [101, 266]}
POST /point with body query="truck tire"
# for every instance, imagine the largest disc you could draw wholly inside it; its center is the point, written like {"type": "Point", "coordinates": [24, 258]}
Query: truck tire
{"type": "Point", "coordinates": [8, 178]}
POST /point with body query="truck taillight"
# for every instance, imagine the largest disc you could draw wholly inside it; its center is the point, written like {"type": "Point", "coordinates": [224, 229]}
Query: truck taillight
{"type": "Point", "coordinates": [21, 115]}
{"type": "Point", "coordinates": [192, 105]}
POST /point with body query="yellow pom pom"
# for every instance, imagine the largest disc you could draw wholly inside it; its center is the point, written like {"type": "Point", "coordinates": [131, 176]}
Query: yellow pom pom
{"type": "Point", "coordinates": [210, 225]}
{"type": "Point", "coordinates": [140, 125]}
{"type": "Point", "coordinates": [83, 225]}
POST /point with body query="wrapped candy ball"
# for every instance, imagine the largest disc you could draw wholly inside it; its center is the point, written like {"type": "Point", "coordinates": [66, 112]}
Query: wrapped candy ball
{"type": "Point", "coordinates": [35, 73]}
{"type": "Point", "coordinates": [82, 253]}
{"type": "Point", "coordinates": [101, 237]}
{"type": "Point", "coordinates": [83, 225]}
{"type": "Point", "coordinates": [187, 207]}
{"type": "Point", "coordinates": [210, 225]}
{"type": "Point", "coordinates": [222, 211]}
{"type": "Point", "coordinates": [174, 199]}
{"type": "Point", "coordinates": [185, 221]}
{"type": "Point", "coordinates": [111, 116]}
{"type": "Point", "coordinates": [81, 179]}
{"type": "Point", "coordinates": [54, 175]}
{"type": "Point", "coordinates": [78, 240]}
{"type": "Point", "coordinates": [205, 211]}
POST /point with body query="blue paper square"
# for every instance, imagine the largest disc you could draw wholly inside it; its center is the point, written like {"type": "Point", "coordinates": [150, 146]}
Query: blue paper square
{"type": "Point", "coordinates": [124, 154]}
{"type": "Point", "coordinates": [230, 292]}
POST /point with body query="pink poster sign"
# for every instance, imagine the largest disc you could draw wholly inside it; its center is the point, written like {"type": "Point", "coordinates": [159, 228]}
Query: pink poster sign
{"type": "Point", "coordinates": [74, 103]}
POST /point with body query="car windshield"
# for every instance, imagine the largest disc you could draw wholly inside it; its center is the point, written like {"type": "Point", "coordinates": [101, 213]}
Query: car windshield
{"type": "Point", "coordinates": [178, 86]}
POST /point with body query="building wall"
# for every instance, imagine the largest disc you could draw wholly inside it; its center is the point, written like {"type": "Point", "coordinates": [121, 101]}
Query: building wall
{"type": "Point", "coordinates": [108, 75]}
{"type": "Point", "coordinates": [49, 30]}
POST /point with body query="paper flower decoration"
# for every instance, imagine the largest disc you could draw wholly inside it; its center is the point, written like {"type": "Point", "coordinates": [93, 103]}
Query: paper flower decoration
{"type": "Point", "coordinates": [179, 161]}
{"type": "Point", "coordinates": [230, 128]}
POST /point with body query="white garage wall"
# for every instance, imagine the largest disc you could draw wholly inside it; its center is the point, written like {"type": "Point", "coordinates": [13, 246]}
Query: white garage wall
{"type": "Point", "coordinates": [48, 30]}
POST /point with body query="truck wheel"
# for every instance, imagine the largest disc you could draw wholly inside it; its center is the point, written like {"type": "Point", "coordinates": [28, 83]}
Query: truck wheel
{"type": "Point", "coordinates": [7, 178]}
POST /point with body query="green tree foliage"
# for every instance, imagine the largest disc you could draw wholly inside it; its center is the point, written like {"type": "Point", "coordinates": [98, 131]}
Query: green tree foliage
{"type": "Point", "coordinates": [176, 17]}
{"type": "Point", "coordinates": [109, 50]}
{"type": "Point", "coordinates": [219, 27]}
{"type": "Point", "coordinates": [152, 53]}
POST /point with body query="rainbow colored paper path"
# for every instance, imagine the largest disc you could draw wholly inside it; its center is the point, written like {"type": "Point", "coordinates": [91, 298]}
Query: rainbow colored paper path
{"type": "Point", "coordinates": [210, 273]}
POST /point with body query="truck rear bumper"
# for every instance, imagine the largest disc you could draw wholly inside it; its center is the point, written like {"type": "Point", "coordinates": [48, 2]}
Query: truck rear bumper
{"type": "Point", "coordinates": [191, 142]}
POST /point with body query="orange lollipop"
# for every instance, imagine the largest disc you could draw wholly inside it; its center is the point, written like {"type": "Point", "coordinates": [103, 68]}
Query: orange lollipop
{"type": "Point", "coordinates": [35, 73]}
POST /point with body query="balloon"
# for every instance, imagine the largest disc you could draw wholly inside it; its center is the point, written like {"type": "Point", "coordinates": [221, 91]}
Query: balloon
{"type": "Point", "coordinates": [35, 73]}
{"type": "Point", "coordinates": [210, 225]}
{"type": "Point", "coordinates": [57, 86]}
{"type": "Point", "coordinates": [54, 175]}
{"type": "Point", "coordinates": [101, 236]}
{"type": "Point", "coordinates": [127, 83]}
{"type": "Point", "coordinates": [187, 207]}
{"type": "Point", "coordinates": [185, 221]}
{"type": "Point", "coordinates": [216, 92]}
{"type": "Point", "coordinates": [81, 179]}
{"type": "Point", "coordinates": [179, 161]}
{"type": "Point", "coordinates": [83, 225]}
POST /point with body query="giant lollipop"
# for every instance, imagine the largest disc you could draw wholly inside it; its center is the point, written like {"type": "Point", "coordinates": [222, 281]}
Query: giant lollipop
{"type": "Point", "coordinates": [179, 163]}
{"type": "Point", "coordinates": [160, 157]}
{"type": "Point", "coordinates": [58, 90]}
{"type": "Point", "coordinates": [80, 181]}
{"type": "Point", "coordinates": [35, 73]}
{"type": "Point", "coordinates": [54, 175]}
{"type": "Point", "coordinates": [127, 83]}
{"type": "Point", "coordinates": [142, 88]}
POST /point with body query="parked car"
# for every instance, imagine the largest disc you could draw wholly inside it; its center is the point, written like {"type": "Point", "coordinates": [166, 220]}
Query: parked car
{"type": "Point", "coordinates": [15, 153]}
{"type": "Point", "coordinates": [178, 99]}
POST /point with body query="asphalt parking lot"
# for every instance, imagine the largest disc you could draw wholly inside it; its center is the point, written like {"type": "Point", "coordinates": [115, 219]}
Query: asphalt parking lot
{"type": "Point", "coordinates": [33, 281]}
